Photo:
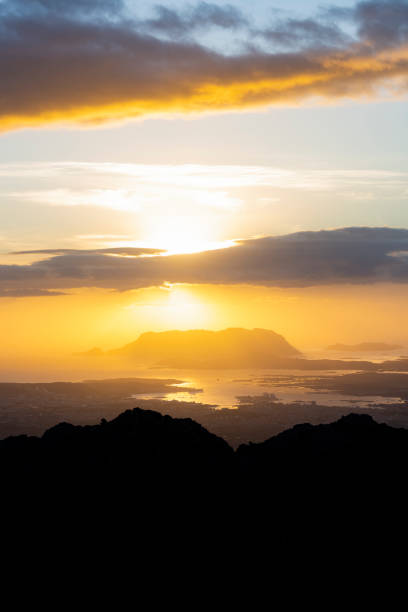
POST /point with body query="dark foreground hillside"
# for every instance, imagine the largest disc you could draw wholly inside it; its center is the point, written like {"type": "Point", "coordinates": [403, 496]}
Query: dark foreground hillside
{"type": "Point", "coordinates": [143, 451]}
{"type": "Point", "coordinates": [147, 489]}
{"type": "Point", "coordinates": [138, 445]}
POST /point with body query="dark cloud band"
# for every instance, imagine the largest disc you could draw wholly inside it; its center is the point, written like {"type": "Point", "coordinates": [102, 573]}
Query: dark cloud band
{"type": "Point", "coordinates": [92, 62]}
{"type": "Point", "coordinates": [305, 259]}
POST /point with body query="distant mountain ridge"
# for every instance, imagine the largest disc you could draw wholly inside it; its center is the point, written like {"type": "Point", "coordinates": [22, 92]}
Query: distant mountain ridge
{"type": "Point", "coordinates": [364, 347]}
{"type": "Point", "coordinates": [233, 347]}
{"type": "Point", "coordinates": [238, 348]}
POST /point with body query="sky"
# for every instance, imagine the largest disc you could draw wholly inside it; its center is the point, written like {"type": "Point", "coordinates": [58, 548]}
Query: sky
{"type": "Point", "coordinates": [200, 164]}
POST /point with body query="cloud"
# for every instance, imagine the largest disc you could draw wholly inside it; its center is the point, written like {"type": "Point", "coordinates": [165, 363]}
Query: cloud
{"type": "Point", "coordinates": [191, 177]}
{"type": "Point", "coordinates": [94, 62]}
{"type": "Point", "coordinates": [134, 200]}
{"type": "Point", "coordinates": [304, 259]}
{"type": "Point", "coordinates": [305, 33]}
{"type": "Point", "coordinates": [120, 251]}
{"type": "Point", "coordinates": [203, 15]}
{"type": "Point", "coordinates": [22, 293]}
{"type": "Point", "coordinates": [47, 8]}
{"type": "Point", "coordinates": [379, 24]}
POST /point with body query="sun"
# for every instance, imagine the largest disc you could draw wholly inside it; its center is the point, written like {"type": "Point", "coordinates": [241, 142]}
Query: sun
{"type": "Point", "coordinates": [182, 235]}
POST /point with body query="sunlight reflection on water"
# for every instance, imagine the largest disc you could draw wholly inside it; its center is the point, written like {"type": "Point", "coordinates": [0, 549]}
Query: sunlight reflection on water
{"type": "Point", "coordinates": [223, 390]}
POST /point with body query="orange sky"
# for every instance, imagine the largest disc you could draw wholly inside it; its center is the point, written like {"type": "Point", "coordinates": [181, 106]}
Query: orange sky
{"type": "Point", "coordinates": [233, 140]}
{"type": "Point", "coordinates": [310, 319]}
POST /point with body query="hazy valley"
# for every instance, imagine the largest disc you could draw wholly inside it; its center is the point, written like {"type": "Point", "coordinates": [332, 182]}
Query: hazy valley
{"type": "Point", "coordinates": [240, 404]}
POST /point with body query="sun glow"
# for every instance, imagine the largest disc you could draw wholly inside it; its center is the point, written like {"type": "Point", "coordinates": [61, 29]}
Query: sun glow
{"type": "Point", "coordinates": [171, 307]}
{"type": "Point", "coordinates": [182, 234]}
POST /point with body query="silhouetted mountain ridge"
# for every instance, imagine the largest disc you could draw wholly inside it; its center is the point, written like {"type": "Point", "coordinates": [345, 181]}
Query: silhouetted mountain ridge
{"type": "Point", "coordinates": [137, 444]}
{"type": "Point", "coordinates": [142, 448]}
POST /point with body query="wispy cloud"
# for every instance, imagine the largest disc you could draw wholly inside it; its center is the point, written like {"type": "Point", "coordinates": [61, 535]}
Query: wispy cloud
{"type": "Point", "coordinates": [94, 62]}
{"type": "Point", "coordinates": [190, 177]}
{"type": "Point", "coordinates": [201, 16]}
{"type": "Point", "coordinates": [185, 208]}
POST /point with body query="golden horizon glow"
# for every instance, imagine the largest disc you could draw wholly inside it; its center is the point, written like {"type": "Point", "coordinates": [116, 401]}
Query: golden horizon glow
{"type": "Point", "coordinates": [179, 306]}
{"type": "Point", "coordinates": [57, 327]}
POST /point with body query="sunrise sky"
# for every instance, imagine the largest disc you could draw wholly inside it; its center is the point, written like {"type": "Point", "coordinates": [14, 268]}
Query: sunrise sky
{"type": "Point", "coordinates": [172, 165]}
